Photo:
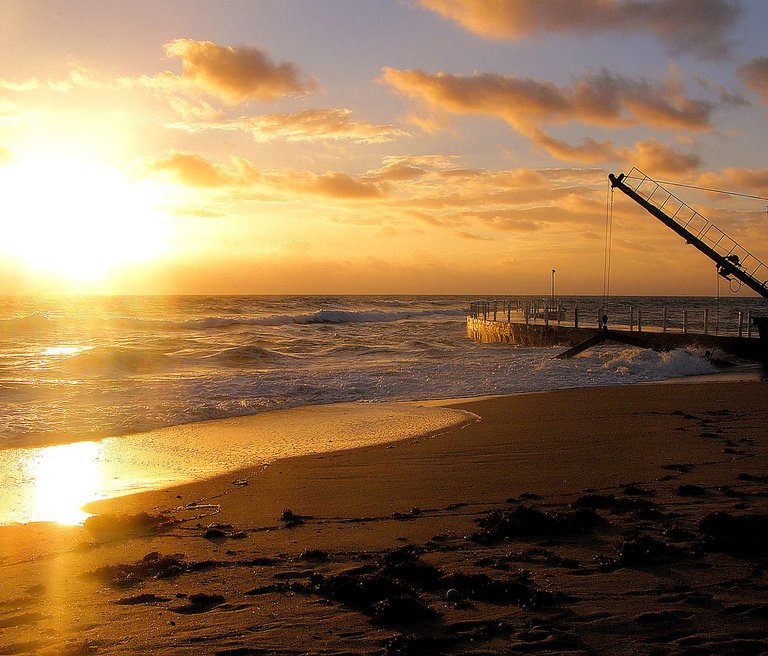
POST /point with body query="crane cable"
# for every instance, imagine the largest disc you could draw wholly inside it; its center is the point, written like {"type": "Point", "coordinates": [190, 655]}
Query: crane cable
{"type": "Point", "coordinates": [608, 243]}
{"type": "Point", "coordinates": [714, 191]}
{"type": "Point", "coordinates": [717, 305]}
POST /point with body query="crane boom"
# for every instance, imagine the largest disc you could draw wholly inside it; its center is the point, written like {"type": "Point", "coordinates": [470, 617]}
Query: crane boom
{"type": "Point", "coordinates": [731, 258]}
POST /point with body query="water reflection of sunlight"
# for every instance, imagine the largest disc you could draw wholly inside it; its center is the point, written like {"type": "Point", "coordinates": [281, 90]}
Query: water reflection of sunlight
{"type": "Point", "coordinates": [64, 350]}
{"type": "Point", "coordinates": [66, 477]}
{"type": "Point", "coordinates": [51, 484]}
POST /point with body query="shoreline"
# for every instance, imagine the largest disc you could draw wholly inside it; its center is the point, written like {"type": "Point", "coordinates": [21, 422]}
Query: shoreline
{"type": "Point", "coordinates": [53, 483]}
{"type": "Point", "coordinates": [113, 467]}
{"type": "Point", "coordinates": [755, 373]}
{"type": "Point", "coordinates": [624, 453]}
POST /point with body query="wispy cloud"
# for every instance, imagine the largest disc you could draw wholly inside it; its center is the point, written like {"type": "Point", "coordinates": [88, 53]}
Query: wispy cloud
{"type": "Point", "coordinates": [307, 125]}
{"type": "Point", "coordinates": [78, 77]}
{"type": "Point", "coordinates": [195, 171]}
{"type": "Point", "coordinates": [603, 99]}
{"type": "Point", "coordinates": [237, 74]}
{"type": "Point", "coordinates": [755, 75]}
{"type": "Point", "coordinates": [239, 177]}
{"type": "Point", "coordinates": [697, 26]}
{"type": "Point", "coordinates": [7, 154]}
{"type": "Point", "coordinates": [405, 191]}
{"type": "Point", "coordinates": [650, 156]}
{"type": "Point", "coordinates": [745, 180]}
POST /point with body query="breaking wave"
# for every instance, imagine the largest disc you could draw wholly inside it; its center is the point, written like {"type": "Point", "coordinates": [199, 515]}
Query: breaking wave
{"type": "Point", "coordinates": [107, 360]}
{"type": "Point", "coordinates": [319, 317]}
{"type": "Point", "coordinates": [244, 355]}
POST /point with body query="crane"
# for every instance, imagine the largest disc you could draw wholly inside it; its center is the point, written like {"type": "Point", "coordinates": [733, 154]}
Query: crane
{"type": "Point", "coordinates": [731, 259]}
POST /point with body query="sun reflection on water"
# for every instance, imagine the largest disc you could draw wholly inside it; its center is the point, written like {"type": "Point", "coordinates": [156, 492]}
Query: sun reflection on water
{"type": "Point", "coordinates": [51, 484]}
{"type": "Point", "coordinates": [64, 350]}
{"type": "Point", "coordinates": [65, 477]}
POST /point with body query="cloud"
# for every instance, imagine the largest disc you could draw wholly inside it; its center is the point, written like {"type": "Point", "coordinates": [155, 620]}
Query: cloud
{"type": "Point", "coordinates": [79, 77]}
{"type": "Point", "coordinates": [335, 185]}
{"type": "Point", "coordinates": [7, 154]}
{"type": "Point", "coordinates": [294, 247]}
{"type": "Point", "coordinates": [653, 157]}
{"type": "Point", "coordinates": [237, 74]}
{"type": "Point", "coordinates": [650, 156]}
{"type": "Point", "coordinates": [462, 234]}
{"type": "Point", "coordinates": [194, 171]}
{"type": "Point", "coordinates": [29, 85]}
{"type": "Point", "coordinates": [755, 75]}
{"type": "Point", "coordinates": [603, 99]}
{"type": "Point", "coordinates": [398, 171]}
{"type": "Point", "coordinates": [588, 152]}
{"type": "Point", "coordinates": [241, 179]}
{"type": "Point", "coordinates": [306, 125]}
{"type": "Point", "coordinates": [407, 192]}
{"type": "Point", "coordinates": [698, 26]}
{"type": "Point", "coordinates": [745, 180]}
{"type": "Point", "coordinates": [196, 112]}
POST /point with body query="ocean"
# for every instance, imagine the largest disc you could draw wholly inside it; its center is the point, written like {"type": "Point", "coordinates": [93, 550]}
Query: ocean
{"type": "Point", "coordinates": [83, 368]}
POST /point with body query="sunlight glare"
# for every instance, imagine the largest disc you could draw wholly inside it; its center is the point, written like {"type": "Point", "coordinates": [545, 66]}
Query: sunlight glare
{"type": "Point", "coordinates": [66, 477]}
{"type": "Point", "coordinates": [77, 218]}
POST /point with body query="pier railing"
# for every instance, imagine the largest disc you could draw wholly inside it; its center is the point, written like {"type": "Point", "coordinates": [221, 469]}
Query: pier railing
{"type": "Point", "coordinates": [706, 321]}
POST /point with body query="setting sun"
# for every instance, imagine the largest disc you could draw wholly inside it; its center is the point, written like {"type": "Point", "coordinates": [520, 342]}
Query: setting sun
{"type": "Point", "coordinates": [77, 218]}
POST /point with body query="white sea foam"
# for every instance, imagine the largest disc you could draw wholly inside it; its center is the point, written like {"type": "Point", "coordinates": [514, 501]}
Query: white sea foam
{"type": "Point", "coordinates": [646, 364]}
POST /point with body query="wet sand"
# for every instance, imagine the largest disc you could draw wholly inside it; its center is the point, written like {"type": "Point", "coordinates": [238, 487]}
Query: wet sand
{"type": "Point", "coordinates": [52, 483]}
{"type": "Point", "coordinates": [624, 520]}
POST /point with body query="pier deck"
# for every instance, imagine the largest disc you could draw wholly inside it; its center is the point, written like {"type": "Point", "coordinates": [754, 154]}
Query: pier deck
{"type": "Point", "coordinates": [534, 327]}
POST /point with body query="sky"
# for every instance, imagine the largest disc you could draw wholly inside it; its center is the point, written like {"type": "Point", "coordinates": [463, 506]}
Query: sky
{"type": "Point", "coordinates": [374, 146]}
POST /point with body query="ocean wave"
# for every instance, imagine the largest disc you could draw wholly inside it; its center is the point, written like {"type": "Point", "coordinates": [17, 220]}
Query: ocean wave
{"type": "Point", "coordinates": [246, 355]}
{"type": "Point", "coordinates": [34, 321]}
{"type": "Point", "coordinates": [371, 316]}
{"type": "Point", "coordinates": [362, 349]}
{"type": "Point", "coordinates": [320, 317]}
{"type": "Point", "coordinates": [422, 344]}
{"type": "Point", "coordinates": [108, 360]}
{"type": "Point", "coordinates": [42, 322]}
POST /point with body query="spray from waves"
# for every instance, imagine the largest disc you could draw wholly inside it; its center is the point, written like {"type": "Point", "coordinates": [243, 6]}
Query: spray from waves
{"type": "Point", "coordinates": [321, 317]}
{"type": "Point", "coordinates": [604, 366]}
{"type": "Point", "coordinates": [646, 363]}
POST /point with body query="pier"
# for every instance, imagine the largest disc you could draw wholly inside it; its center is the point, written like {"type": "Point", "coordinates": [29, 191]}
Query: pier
{"type": "Point", "coordinates": [540, 323]}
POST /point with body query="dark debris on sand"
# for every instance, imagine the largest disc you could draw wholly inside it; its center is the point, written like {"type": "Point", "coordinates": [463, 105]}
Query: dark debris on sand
{"type": "Point", "coordinates": [399, 588]}
{"type": "Point", "coordinates": [680, 570]}
{"type": "Point", "coordinates": [124, 525]}
{"type": "Point", "coordinates": [153, 565]}
{"type": "Point", "coordinates": [526, 521]}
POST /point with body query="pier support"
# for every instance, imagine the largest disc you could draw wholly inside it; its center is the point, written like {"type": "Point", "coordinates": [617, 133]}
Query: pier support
{"type": "Point", "coordinates": [611, 336]}
{"type": "Point", "coordinates": [762, 330]}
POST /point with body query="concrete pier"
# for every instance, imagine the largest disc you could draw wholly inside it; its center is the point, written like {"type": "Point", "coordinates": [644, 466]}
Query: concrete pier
{"type": "Point", "coordinates": [540, 335]}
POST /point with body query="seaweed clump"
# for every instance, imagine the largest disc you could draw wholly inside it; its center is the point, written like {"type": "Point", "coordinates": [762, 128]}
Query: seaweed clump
{"type": "Point", "coordinates": [735, 534]}
{"type": "Point", "coordinates": [525, 521]}
{"type": "Point", "coordinates": [153, 566]}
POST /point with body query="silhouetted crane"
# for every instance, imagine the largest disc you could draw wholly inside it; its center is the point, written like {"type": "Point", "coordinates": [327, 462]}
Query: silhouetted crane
{"type": "Point", "coordinates": [731, 258]}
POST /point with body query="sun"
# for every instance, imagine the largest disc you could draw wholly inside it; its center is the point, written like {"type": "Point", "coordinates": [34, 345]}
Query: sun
{"type": "Point", "coordinates": [77, 218]}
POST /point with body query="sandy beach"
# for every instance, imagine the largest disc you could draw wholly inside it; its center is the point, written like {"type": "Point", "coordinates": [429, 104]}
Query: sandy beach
{"type": "Point", "coordinates": [621, 520]}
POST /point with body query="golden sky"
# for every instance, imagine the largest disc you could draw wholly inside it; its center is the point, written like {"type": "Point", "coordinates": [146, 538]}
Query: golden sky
{"type": "Point", "coordinates": [373, 146]}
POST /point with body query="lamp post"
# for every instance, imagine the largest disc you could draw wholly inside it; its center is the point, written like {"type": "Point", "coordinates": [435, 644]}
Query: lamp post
{"type": "Point", "coordinates": [553, 288]}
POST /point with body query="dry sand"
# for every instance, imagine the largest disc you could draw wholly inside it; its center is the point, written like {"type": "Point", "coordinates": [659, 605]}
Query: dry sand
{"type": "Point", "coordinates": [624, 520]}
